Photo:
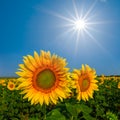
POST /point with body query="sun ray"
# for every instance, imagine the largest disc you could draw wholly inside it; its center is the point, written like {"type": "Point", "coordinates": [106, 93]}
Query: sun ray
{"type": "Point", "coordinates": [77, 42]}
{"type": "Point", "coordinates": [68, 25]}
{"type": "Point", "coordinates": [90, 9]}
{"type": "Point", "coordinates": [67, 32]}
{"type": "Point", "coordinates": [60, 16]}
{"type": "Point", "coordinates": [101, 46]}
{"type": "Point", "coordinates": [75, 9]}
{"type": "Point", "coordinates": [99, 22]}
{"type": "Point", "coordinates": [71, 15]}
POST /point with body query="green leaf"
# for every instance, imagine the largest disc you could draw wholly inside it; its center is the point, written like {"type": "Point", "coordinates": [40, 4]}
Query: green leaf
{"type": "Point", "coordinates": [71, 109]}
{"type": "Point", "coordinates": [88, 117]}
{"type": "Point", "coordinates": [85, 109]}
{"type": "Point", "coordinates": [55, 115]}
{"type": "Point", "coordinates": [78, 108]}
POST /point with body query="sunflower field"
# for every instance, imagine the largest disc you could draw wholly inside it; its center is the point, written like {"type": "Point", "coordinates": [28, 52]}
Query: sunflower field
{"type": "Point", "coordinates": [45, 89]}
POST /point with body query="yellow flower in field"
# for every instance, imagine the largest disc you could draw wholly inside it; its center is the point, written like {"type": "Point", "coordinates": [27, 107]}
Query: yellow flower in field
{"type": "Point", "coordinates": [2, 81]}
{"type": "Point", "coordinates": [119, 85]}
{"type": "Point", "coordinates": [115, 79]}
{"type": "Point", "coordinates": [85, 82]}
{"type": "Point", "coordinates": [102, 79]}
{"type": "Point", "coordinates": [11, 85]}
{"type": "Point", "coordinates": [43, 78]}
{"type": "Point", "coordinates": [14, 80]}
{"type": "Point", "coordinates": [4, 84]}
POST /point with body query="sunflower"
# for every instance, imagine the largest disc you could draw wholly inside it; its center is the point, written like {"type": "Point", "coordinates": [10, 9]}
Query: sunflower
{"type": "Point", "coordinates": [43, 78]}
{"type": "Point", "coordinates": [85, 82]}
{"type": "Point", "coordinates": [2, 81]}
{"type": "Point", "coordinates": [11, 85]}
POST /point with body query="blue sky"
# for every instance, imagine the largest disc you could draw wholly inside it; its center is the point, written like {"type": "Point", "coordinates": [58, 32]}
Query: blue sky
{"type": "Point", "coordinates": [33, 25]}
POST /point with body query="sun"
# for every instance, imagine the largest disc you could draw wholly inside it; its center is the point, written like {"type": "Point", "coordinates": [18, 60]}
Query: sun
{"type": "Point", "coordinates": [80, 24]}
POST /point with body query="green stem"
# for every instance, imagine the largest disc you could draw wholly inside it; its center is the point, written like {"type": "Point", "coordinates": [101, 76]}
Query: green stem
{"type": "Point", "coordinates": [72, 118]}
{"type": "Point", "coordinates": [44, 110]}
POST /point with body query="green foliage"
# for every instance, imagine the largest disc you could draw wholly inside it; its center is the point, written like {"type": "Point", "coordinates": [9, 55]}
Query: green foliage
{"type": "Point", "coordinates": [107, 99]}
{"type": "Point", "coordinates": [111, 116]}
{"type": "Point", "coordinates": [55, 115]}
{"type": "Point", "coordinates": [104, 106]}
{"type": "Point", "coordinates": [79, 111]}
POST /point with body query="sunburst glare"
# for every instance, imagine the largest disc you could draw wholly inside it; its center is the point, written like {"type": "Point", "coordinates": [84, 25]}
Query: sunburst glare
{"type": "Point", "coordinates": [81, 24]}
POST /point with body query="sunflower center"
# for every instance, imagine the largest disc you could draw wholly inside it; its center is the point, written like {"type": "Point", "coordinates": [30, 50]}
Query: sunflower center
{"type": "Point", "coordinates": [45, 79]}
{"type": "Point", "coordinates": [85, 84]}
{"type": "Point", "coordinates": [11, 85]}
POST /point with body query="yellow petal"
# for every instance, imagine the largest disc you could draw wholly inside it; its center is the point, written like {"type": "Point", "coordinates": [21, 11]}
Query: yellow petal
{"type": "Point", "coordinates": [60, 92]}
{"type": "Point", "coordinates": [46, 99]}
{"type": "Point", "coordinates": [33, 62]}
{"type": "Point", "coordinates": [79, 96]}
{"type": "Point", "coordinates": [37, 58]}
{"type": "Point", "coordinates": [22, 66]}
{"type": "Point", "coordinates": [88, 68]}
{"type": "Point", "coordinates": [83, 68]}
{"type": "Point", "coordinates": [28, 64]}
{"type": "Point", "coordinates": [53, 99]}
{"type": "Point", "coordinates": [83, 96]}
{"type": "Point", "coordinates": [41, 99]}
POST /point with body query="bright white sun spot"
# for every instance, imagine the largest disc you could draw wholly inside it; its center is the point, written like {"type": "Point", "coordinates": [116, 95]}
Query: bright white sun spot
{"type": "Point", "coordinates": [80, 24]}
